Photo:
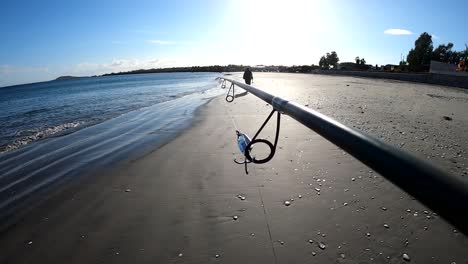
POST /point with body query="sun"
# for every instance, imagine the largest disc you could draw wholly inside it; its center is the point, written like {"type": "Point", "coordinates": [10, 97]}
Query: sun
{"type": "Point", "coordinates": [276, 30]}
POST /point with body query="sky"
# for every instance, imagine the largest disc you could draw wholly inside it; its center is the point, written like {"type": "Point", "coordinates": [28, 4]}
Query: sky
{"type": "Point", "coordinates": [42, 40]}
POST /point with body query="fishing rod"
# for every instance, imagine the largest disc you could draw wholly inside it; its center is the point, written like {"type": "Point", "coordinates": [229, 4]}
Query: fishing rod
{"type": "Point", "coordinates": [443, 193]}
{"type": "Point", "coordinates": [243, 140]}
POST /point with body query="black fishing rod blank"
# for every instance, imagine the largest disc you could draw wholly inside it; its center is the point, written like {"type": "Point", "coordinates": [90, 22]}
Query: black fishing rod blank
{"type": "Point", "coordinates": [443, 193]}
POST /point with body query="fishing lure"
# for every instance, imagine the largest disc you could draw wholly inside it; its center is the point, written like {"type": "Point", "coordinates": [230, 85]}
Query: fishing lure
{"type": "Point", "coordinates": [243, 142]}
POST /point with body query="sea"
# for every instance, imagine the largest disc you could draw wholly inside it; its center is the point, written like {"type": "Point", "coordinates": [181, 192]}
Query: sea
{"type": "Point", "coordinates": [52, 131]}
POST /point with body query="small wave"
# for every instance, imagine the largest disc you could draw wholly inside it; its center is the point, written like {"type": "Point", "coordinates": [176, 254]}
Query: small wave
{"type": "Point", "coordinates": [36, 111]}
{"type": "Point", "coordinates": [37, 135]}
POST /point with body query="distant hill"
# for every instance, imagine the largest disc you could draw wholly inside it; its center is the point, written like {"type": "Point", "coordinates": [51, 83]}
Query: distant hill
{"type": "Point", "coordinates": [61, 78]}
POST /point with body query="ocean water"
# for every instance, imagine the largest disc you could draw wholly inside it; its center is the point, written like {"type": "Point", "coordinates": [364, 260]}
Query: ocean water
{"type": "Point", "coordinates": [36, 111]}
{"type": "Point", "coordinates": [53, 131]}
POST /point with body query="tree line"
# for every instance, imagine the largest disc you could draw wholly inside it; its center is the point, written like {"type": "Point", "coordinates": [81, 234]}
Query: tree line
{"type": "Point", "coordinates": [329, 60]}
{"type": "Point", "coordinates": [419, 57]}
{"type": "Point", "coordinates": [219, 68]}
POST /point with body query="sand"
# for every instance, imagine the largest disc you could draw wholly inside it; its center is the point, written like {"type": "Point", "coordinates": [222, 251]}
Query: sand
{"type": "Point", "coordinates": [177, 204]}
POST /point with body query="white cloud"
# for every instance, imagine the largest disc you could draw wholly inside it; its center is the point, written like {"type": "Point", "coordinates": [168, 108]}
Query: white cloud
{"type": "Point", "coordinates": [161, 42]}
{"type": "Point", "coordinates": [435, 37]}
{"type": "Point", "coordinates": [13, 74]}
{"type": "Point", "coordinates": [120, 65]}
{"type": "Point", "coordinates": [398, 31]}
{"type": "Point", "coordinates": [146, 31]}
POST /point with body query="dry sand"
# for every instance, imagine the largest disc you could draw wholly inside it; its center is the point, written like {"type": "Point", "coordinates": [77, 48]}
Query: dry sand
{"type": "Point", "coordinates": [177, 204]}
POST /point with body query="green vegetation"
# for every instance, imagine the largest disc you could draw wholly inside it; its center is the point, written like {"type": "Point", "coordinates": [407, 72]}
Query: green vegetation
{"type": "Point", "coordinates": [422, 52]}
{"type": "Point", "coordinates": [360, 61]}
{"type": "Point", "coordinates": [419, 58]}
{"type": "Point", "coordinates": [329, 60]}
{"type": "Point", "coordinates": [228, 68]}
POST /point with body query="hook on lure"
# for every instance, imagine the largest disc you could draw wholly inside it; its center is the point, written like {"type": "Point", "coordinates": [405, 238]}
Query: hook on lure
{"type": "Point", "coordinates": [246, 144]}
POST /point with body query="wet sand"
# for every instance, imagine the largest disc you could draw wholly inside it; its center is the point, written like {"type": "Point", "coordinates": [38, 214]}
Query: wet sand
{"type": "Point", "coordinates": [177, 204]}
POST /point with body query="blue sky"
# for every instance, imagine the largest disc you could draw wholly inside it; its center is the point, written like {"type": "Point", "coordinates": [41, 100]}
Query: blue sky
{"type": "Point", "coordinates": [41, 40]}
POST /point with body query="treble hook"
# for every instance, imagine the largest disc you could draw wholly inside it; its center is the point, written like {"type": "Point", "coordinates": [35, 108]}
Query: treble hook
{"type": "Point", "coordinates": [229, 97]}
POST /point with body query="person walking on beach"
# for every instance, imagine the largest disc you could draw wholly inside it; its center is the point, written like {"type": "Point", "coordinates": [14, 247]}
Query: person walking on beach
{"type": "Point", "coordinates": [248, 76]}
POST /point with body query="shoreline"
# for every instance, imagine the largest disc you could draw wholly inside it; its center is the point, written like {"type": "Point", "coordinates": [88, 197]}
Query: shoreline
{"type": "Point", "coordinates": [59, 189]}
{"type": "Point", "coordinates": [32, 172]}
{"type": "Point", "coordinates": [177, 204]}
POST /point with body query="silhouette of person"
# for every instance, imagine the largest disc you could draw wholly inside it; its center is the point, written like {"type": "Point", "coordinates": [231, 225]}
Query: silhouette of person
{"type": "Point", "coordinates": [248, 76]}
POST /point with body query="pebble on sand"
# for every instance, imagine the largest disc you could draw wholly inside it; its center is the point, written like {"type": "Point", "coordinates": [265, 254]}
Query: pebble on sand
{"type": "Point", "coordinates": [235, 217]}
{"type": "Point", "coordinates": [287, 203]}
{"type": "Point", "coordinates": [386, 226]}
{"type": "Point", "coordinates": [128, 190]}
{"type": "Point", "coordinates": [241, 197]}
{"type": "Point", "coordinates": [322, 246]}
{"type": "Point", "coordinates": [406, 257]}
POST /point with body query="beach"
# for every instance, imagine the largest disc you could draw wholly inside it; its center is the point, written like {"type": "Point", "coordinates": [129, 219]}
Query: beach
{"type": "Point", "coordinates": [188, 202]}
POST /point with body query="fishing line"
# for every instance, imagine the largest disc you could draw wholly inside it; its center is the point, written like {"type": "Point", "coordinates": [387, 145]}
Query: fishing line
{"type": "Point", "coordinates": [246, 144]}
